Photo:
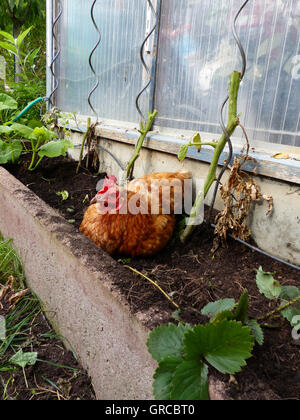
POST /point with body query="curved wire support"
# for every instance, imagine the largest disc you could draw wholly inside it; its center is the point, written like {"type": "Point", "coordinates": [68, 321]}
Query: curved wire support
{"type": "Point", "coordinates": [222, 124]}
{"type": "Point", "coordinates": [113, 156]}
{"type": "Point", "coordinates": [137, 102]}
{"type": "Point", "coordinates": [56, 55]}
{"type": "Point", "coordinates": [90, 60]}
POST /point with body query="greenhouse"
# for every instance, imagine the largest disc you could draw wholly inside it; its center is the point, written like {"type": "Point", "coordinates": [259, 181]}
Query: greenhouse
{"type": "Point", "coordinates": [157, 180]}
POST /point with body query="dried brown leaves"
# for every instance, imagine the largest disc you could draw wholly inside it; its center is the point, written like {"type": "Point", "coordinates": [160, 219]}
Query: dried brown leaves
{"type": "Point", "coordinates": [9, 297]}
{"type": "Point", "coordinates": [240, 192]}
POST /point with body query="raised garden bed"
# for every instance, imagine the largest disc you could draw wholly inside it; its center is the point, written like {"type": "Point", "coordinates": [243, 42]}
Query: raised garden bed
{"type": "Point", "coordinates": [189, 273]}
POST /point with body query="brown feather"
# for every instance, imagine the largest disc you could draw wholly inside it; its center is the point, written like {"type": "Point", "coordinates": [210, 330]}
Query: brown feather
{"type": "Point", "coordinates": [135, 234]}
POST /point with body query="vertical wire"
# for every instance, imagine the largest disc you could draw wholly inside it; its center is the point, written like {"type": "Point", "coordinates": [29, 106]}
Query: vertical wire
{"type": "Point", "coordinates": [267, 66]}
{"type": "Point", "coordinates": [287, 103]}
{"type": "Point", "coordinates": [222, 124]}
{"type": "Point", "coordinates": [90, 61]}
{"type": "Point", "coordinates": [56, 46]}
{"type": "Point", "coordinates": [146, 67]}
{"type": "Point", "coordinates": [281, 65]}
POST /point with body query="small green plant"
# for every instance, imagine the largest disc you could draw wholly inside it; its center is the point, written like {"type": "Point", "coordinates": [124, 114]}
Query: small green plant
{"type": "Point", "coordinates": [28, 81]}
{"type": "Point", "coordinates": [233, 122]}
{"type": "Point", "coordinates": [22, 360]}
{"type": "Point", "coordinates": [184, 353]}
{"type": "Point", "coordinates": [41, 146]}
{"type": "Point", "coordinates": [63, 194]}
{"type": "Point", "coordinates": [8, 108]}
{"type": "Point", "coordinates": [144, 130]}
{"type": "Point", "coordinates": [16, 138]}
{"type": "Point", "coordinates": [288, 297]}
{"type": "Point", "coordinates": [230, 310]}
{"type": "Point", "coordinates": [14, 46]}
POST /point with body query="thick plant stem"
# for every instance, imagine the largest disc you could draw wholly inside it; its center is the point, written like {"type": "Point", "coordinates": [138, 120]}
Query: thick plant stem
{"type": "Point", "coordinates": [35, 148]}
{"type": "Point", "coordinates": [12, 152]}
{"type": "Point", "coordinates": [143, 131]}
{"type": "Point", "coordinates": [83, 144]}
{"type": "Point", "coordinates": [233, 121]}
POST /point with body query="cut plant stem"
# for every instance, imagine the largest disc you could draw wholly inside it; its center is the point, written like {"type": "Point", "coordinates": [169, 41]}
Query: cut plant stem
{"type": "Point", "coordinates": [280, 309]}
{"type": "Point", "coordinates": [83, 144]}
{"type": "Point", "coordinates": [154, 284]}
{"type": "Point", "coordinates": [233, 122]}
{"type": "Point", "coordinates": [143, 131]}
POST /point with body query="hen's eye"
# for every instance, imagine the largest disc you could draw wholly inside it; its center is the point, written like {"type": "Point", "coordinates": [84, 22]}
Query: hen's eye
{"type": "Point", "coordinates": [106, 204]}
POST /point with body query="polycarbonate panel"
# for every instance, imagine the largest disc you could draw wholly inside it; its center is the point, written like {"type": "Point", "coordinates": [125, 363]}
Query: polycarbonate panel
{"type": "Point", "coordinates": [116, 60]}
{"type": "Point", "coordinates": [197, 53]}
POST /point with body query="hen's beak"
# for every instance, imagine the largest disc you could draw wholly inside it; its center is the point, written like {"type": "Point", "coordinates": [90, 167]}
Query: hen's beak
{"type": "Point", "coordinates": [94, 200]}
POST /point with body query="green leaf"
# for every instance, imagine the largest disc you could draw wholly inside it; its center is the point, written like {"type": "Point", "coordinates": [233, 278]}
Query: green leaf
{"type": "Point", "coordinates": [163, 377]}
{"type": "Point", "coordinates": [7, 102]}
{"type": "Point", "coordinates": [166, 341]}
{"type": "Point", "coordinates": [241, 312]}
{"type": "Point", "coordinates": [221, 316]}
{"type": "Point", "coordinates": [43, 134]}
{"type": "Point", "coordinates": [30, 57]}
{"type": "Point", "coordinates": [288, 294]}
{"type": "Point", "coordinates": [225, 345]}
{"type": "Point", "coordinates": [22, 36]}
{"type": "Point", "coordinates": [63, 194]}
{"type": "Point", "coordinates": [267, 285]}
{"type": "Point", "coordinates": [23, 359]}
{"type": "Point", "coordinates": [7, 36]}
{"type": "Point", "coordinates": [10, 151]}
{"type": "Point", "coordinates": [55, 148]}
{"type": "Point", "coordinates": [213, 308]}
{"type": "Point", "coordinates": [34, 124]}
{"type": "Point", "coordinates": [197, 142]}
{"type": "Point", "coordinates": [197, 138]}
{"type": "Point", "coordinates": [256, 330]}
{"type": "Point", "coordinates": [5, 129]}
{"type": "Point", "coordinates": [183, 151]}
{"type": "Point", "coordinates": [190, 381]}
{"type": "Point", "coordinates": [22, 130]}
{"type": "Point", "coordinates": [9, 47]}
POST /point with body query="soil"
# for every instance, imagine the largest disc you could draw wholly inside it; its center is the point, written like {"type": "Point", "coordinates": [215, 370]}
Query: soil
{"type": "Point", "coordinates": [193, 277]}
{"type": "Point", "coordinates": [56, 375]}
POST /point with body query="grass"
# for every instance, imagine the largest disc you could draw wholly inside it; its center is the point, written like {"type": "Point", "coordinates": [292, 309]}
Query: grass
{"type": "Point", "coordinates": [10, 264]}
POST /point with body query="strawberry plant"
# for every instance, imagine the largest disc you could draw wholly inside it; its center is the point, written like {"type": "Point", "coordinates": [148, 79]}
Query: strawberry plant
{"type": "Point", "coordinates": [185, 353]}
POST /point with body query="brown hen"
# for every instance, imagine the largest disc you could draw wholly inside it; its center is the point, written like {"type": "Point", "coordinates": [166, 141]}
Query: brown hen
{"type": "Point", "coordinates": [137, 220]}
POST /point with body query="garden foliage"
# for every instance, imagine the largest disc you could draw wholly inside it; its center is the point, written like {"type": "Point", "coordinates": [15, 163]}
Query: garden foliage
{"type": "Point", "coordinates": [33, 138]}
{"type": "Point", "coordinates": [185, 353]}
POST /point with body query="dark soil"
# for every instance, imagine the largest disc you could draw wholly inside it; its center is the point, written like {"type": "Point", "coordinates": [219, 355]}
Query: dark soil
{"type": "Point", "coordinates": [193, 277]}
{"type": "Point", "coordinates": [56, 375]}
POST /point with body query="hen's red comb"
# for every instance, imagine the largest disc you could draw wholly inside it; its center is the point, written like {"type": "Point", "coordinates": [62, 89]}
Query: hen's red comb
{"type": "Point", "coordinates": [108, 183]}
